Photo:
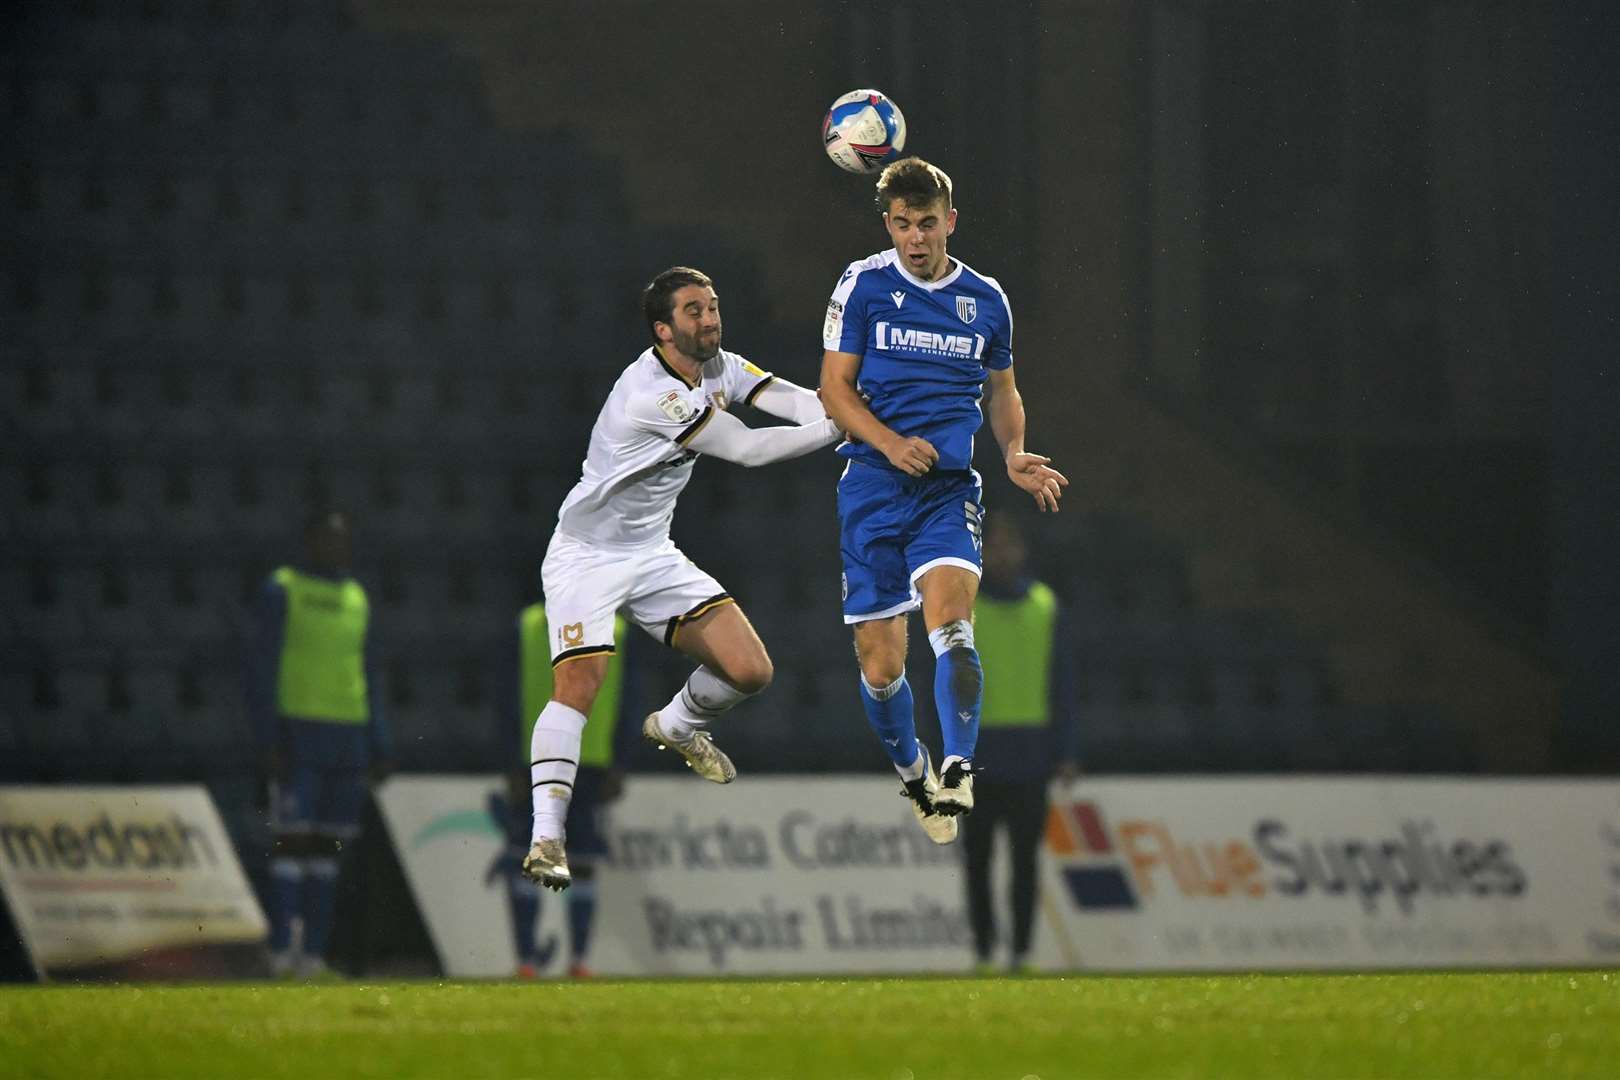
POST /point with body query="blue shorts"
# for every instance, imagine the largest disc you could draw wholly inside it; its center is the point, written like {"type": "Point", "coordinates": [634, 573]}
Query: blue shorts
{"type": "Point", "coordinates": [894, 528]}
{"type": "Point", "coordinates": [323, 801]}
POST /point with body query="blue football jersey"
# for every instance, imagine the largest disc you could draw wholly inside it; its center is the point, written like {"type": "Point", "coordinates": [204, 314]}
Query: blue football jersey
{"type": "Point", "coordinates": [925, 349]}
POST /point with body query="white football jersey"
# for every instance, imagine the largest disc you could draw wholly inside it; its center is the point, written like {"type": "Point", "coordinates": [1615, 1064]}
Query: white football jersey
{"type": "Point", "coordinates": [638, 462]}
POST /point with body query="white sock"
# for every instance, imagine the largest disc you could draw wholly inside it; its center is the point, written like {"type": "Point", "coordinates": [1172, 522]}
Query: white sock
{"type": "Point", "coordinates": [917, 769]}
{"type": "Point", "coordinates": [553, 761]}
{"type": "Point", "coordinates": [956, 634]}
{"type": "Point", "coordinates": [704, 696]}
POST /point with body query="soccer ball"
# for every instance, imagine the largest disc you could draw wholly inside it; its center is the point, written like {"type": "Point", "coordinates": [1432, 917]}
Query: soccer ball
{"type": "Point", "coordinates": [863, 131]}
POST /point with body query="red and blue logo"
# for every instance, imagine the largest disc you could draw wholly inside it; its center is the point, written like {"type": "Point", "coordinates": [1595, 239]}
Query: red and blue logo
{"type": "Point", "coordinates": [1092, 867]}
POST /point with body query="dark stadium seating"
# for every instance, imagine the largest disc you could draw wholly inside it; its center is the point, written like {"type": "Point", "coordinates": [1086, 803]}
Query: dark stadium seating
{"type": "Point", "coordinates": [249, 273]}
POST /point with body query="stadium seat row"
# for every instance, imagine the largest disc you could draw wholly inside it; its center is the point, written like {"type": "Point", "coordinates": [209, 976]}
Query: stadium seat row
{"type": "Point", "coordinates": [355, 304]}
{"type": "Point", "coordinates": [224, 208]}
{"type": "Point", "coordinates": [250, 275]}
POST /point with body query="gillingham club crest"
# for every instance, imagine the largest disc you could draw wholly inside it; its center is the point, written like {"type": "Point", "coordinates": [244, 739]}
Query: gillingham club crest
{"type": "Point", "coordinates": [967, 308]}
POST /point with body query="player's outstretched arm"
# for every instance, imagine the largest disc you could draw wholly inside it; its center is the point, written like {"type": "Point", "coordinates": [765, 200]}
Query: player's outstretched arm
{"type": "Point", "coordinates": [724, 436]}
{"type": "Point", "coordinates": [789, 401]}
{"type": "Point", "coordinates": [1032, 472]}
{"type": "Point", "coordinates": [910, 454]}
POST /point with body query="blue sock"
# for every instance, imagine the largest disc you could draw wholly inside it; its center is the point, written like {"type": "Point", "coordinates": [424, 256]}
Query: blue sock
{"type": "Point", "coordinates": [888, 710]}
{"type": "Point", "coordinates": [958, 687]}
{"type": "Point", "coordinates": [320, 903]}
{"type": "Point", "coordinates": [523, 901]}
{"type": "Point", "coordinates": [581, 912]}
{"type": "Point", "coordinates": [286, 888]}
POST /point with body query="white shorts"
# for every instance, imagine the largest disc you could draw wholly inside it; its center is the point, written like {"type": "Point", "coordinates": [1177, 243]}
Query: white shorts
{"type": "Point", "coordinates": [586, 584]}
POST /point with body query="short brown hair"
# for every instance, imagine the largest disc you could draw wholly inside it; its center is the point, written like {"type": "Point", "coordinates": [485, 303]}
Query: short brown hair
{"type": "Point", "coordinates": [658, 298]}
{"type": "Point", "coordinates": [915, 181]}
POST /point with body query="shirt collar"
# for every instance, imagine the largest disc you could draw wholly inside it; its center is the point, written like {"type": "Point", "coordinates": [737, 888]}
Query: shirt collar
{"type": "Point", "coordinates": [658, 354]}
{"type": "Point", "coordinates": [930, 286]}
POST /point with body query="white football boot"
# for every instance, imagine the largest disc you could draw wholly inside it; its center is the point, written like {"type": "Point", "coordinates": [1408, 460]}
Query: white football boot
{"type": "Point", "coordinates": [702, 756]}
{"type": "Point", "coordinates": [547, 864]}
{"type": "Point", "coordinates": [941, 828]}
{"type": "Point", "coordinates": [955, 795]}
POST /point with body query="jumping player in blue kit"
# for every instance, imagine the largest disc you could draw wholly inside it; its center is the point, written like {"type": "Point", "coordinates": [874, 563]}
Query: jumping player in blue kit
{"type": "Point", "coordinates": [912, 337]}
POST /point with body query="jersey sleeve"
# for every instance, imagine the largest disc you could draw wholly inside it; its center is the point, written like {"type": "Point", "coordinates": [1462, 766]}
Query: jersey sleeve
{"type": "Point", "coordinates": [845, 328]}
{"type": "Point", "coordinates": [781, 398]}
{"type": "Point", "coordinates": [675, 413]}
{"type": "Point", "coordinates": [1001, 355]}
{"type": "Point", "coordinates": [731, 439]}
{"type": "Point", "coordinates": [743, 380]}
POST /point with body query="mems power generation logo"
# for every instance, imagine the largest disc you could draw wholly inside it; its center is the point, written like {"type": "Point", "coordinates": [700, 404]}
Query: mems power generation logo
{"type": "Point", "coordinates": [1124, 864]}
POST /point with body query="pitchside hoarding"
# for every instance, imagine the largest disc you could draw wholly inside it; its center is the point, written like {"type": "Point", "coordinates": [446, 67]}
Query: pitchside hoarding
{"type": "Point", "coordinates": [765, 875]}
{"type": "Point", "coordinates": [833, 875]}
{"type": "Point", "coordinates": [97, 876]}
{"type": "Point", "coordinates": [447, 844]}
{"type": "Point", "coordinates": [1235, 873]}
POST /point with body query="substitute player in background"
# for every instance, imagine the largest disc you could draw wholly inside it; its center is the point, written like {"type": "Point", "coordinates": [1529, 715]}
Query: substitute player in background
{"type": "Point", "coordinates": [912, 336]}
{"type": "Point", "coordinates": [314, 699]}
{"type": "Point", "coordinates": [525, 688]}
{"type": "Point", "coordinates": [1030, 729]}
{"type": "Point", "coordinates": [612, 550]}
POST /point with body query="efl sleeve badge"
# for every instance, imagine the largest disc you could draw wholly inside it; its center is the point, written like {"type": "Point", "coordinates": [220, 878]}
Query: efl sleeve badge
{"type": "Point", "coordinates": [676, 407]}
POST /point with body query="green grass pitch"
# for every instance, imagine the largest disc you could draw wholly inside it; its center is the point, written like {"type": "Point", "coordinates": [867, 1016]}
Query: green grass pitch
{"type": "Point", "coordinates": [1544, 1024]}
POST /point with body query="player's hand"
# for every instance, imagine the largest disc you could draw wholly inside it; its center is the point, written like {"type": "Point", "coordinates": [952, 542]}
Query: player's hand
{"type": "Point", "coordinates": [912, 455]}
{"type": "Point", "coordinates": [1033, 473]}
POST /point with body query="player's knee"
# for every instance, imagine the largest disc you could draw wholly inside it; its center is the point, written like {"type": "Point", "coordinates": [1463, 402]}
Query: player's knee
{"type": "Point", "coordinates": [752, 674]}
{"type": "Point", "coordinates": [880, 649]}
{"type": "Point", "coordinates": [947, 595]}
{"type": "Point", "coordinates": [575, 683]}
{"type": "Point", "coordinates": [882, 661]}
{"type": "Point", "coordinates": [882, 669]}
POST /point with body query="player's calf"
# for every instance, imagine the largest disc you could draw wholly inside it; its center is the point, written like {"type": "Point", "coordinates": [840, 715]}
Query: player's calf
{"type": "Point", "coordinates": [958, 687]}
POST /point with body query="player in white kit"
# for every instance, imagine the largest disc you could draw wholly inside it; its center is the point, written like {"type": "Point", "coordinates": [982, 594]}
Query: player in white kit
{"type": "Point", "coordinates": [611, 550]}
